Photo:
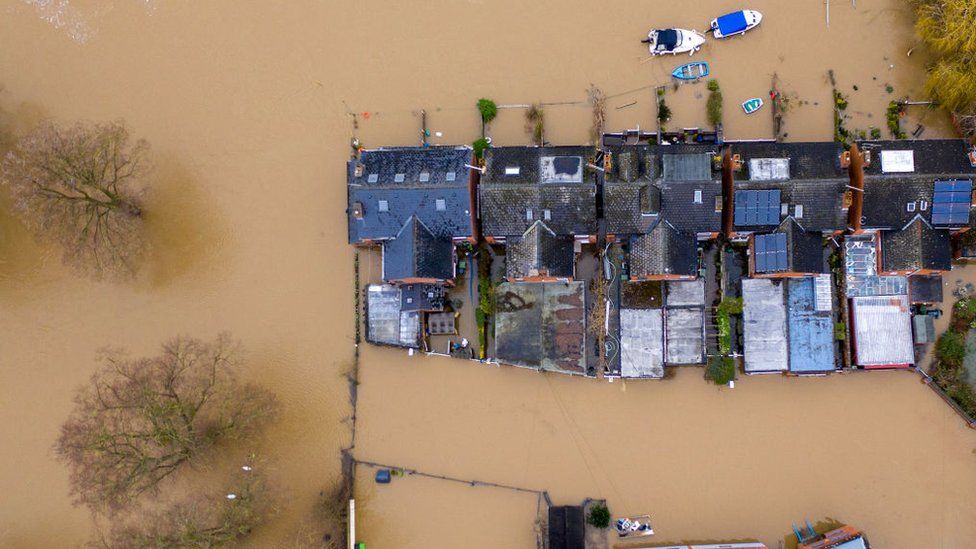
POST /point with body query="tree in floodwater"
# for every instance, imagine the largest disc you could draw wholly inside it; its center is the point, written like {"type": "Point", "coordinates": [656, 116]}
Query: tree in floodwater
{"type": "Point", "coordinates": [80, 186]}
{"type": "Point", "coordinates": [201, 519]}
{"type": "Point", "coordinates": [947, 26]}
{"type": "Point", "coordinates": [140, 420]}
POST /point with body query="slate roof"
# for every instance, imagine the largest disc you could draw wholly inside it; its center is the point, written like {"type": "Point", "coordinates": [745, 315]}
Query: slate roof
{"type": "Point", "coordinates": [443, 205]}
{"type": "Point", "coordinates": [687, 167]}
{"type": "Point", "coordinates": [917, 246]}
{"type": "Point", "coordinates": [804, 249]}
{"type": "Point", "coordinates": [633, 163]}
{"type": "Point", "coordinates": [417, 253]}
{"type": "Point", "coordinates": [566, 527]}
{"type": "Point", "coordinates": [631, 208]}
{"type": "Point", "coordinates": [505, 199]}
{"type": "Point", "coordinates": [886, 200]}
{"type": "Point", "coordinates": [820, 202]}
{"type": "Point", "coordinates": [932, 156]}
{"type": "Point", "coordinates": [820, 160]}
{"type": "Point", "coordinates": [664, 251]}
{"type": "Point", "coordinates": [925, 289]}
{"type": "Point", "coordinates": [679, 208]}
{"type": "Point", "coordinates": [539, 251]}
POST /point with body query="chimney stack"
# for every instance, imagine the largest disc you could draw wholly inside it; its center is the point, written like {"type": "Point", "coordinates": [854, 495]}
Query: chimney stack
{"type": "Point", "coordinates": [728, 192]}
{"type": "Point", "coordinates": [856, 173]}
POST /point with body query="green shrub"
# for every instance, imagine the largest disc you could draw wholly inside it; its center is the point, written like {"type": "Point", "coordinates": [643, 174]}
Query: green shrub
{"type": "Point", "coordinates": [731, 305]}
{"type": "Point", "coordinates": [479, 146]}
{"type": "Point", "coordinates": [714, 108]}
{"type": "Point", "coordinates": [951, 348]}
{"type": "Point", "coordinates": [712, 85]}
{"type": "Point", "coordinates": [599, 516]}
{"type": "Point", "coordinates": [840, 331]}
{"type": "Point", "coordinates": [840, 101]}
{"type": "Point", "coordinates": [894, 120]}
{"type": "Point", "coordinates": [663, 111]}
{"type": "Point", "coordinates": [875, 133]}
{"type": "Point", "coordinates": [720, 369]}
{"type": "Point", "coordinates": [488, 109]}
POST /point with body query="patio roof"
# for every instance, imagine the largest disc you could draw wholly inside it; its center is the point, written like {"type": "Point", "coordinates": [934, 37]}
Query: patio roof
{"type": "Point", "coordinates": [764, 315]}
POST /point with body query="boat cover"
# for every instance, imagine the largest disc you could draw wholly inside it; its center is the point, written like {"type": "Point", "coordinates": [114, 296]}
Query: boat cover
{"type": "Point", "coordinates": [731, 23]}
{"type": "Point", "coordinates": [667, 39]}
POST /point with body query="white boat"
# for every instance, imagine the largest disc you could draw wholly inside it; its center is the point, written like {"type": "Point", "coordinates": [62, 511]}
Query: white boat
{"type": "Point", "coordinates": [735, 23]}
{"type": "Point", "coordinates": [673, 41]}
{"type": "Point", "coordinates": [633, 527]}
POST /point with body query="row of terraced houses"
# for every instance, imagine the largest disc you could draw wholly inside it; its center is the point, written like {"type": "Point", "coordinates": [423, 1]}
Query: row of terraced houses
{"type": "Point", "coordinates": [834, 253]}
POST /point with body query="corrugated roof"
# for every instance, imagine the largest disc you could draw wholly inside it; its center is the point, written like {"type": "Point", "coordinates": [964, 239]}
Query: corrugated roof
{"type": "Point", "coordinates": [385, 322]}
{"type": "Point", "coordinates": [641, 343]}
{"type": "Point", "coordinates": [764, 331]}
{"type": "Point", "coordinates": [882, 331]}
{"type": "Point", "coordinates": [811, 332]}
{"type": "Point", "coordinates": [687, 167]}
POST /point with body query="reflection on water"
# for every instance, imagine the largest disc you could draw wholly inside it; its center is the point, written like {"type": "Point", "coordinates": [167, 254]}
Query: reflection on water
{"type": "Point", "coordinates": [250, 107]}
{"type": "Point", "coordinates": [184, 228]}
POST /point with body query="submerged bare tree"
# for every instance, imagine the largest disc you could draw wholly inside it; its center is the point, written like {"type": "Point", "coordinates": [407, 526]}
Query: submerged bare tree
{"type": "Point", "coordinates": [201, 519]}
{"type": "Point", "coordinates": [141, 420]}
{"type": "Point", "coordinates": [80, 187]}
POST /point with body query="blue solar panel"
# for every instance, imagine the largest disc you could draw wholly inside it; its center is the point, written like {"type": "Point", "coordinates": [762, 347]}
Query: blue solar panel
{"type": "Point", "coordinates": [770, 252]}
{"type": "Point", "coordinates": [757, 207]}
{"type": "Point", "coordinates": [951, 202]}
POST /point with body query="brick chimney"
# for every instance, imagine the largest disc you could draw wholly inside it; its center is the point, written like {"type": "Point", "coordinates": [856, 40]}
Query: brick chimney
{"type": "Point", "coordinates": [728, 192]}
{"type": "Point", "coordinates": [856, 173]}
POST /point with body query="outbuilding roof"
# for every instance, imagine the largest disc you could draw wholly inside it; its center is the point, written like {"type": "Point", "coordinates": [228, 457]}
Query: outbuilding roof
{"type": "Point", "coordinates": [641, 343]}
{"type": "Point", "coordinates": [882, 331]}
{"type": "Point", "coordinates": [540, 325]}
{"type": "Point", "coordinates": [764, 331]}
{"type": "Point", "coordinates": [811, 331]}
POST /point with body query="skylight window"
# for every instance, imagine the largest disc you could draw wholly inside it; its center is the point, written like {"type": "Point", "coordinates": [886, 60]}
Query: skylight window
{"type": "Point", "coordinates": [528, 214]}
{"type": "Point", "coordinates": [399, 178]}
{"type": "Point", "coordinates": [383, 206]}
{"type": "Point", "coordinates": [698, 197]}
{"type": "Point", "coordinates": [441, 204]}
{"type": "Point", "coordinates": [450, 176]}
{"type": "Point", "coordinates": [373, 177]}
{"type": "Point", "coordinates": [512, 170]}
{"type": "Point", "coordinates": [546, 214]}
{"type": "Point", "coordinates": [424, 177]}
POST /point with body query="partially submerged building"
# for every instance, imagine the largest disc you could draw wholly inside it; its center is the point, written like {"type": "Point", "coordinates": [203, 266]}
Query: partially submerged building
{"type": "Point", "coordinates": [387, 323]}
{"type": "Point", "coordinates": [845, 537]}
{"type": "Point", "coordinates": [416, 204]}
{"type": "Point", "coordinates": [541, 325]}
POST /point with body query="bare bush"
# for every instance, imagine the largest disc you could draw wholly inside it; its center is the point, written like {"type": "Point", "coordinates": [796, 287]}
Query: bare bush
{"type": "Point", "coordinates": [80, 187]}
{"type": "Point", "coordinates": [141, 420]}
{"type": "Point", "coordinates": [202, 519]}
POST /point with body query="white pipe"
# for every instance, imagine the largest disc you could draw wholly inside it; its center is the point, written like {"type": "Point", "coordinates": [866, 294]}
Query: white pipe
{"type": "Point", "coordinates": [352, 523]}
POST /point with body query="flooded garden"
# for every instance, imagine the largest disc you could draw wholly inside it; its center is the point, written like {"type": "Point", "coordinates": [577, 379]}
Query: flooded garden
{"type": "Point", "coordinates": [249, 112]}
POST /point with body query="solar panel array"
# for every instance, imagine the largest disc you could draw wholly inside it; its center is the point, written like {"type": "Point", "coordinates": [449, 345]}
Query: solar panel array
{"type": "Point", "coordinates": [757, 207]}
{"type": "Point", "coordinates": [770, 252]}
{"type": "Point", "coordinates": [951, 203]}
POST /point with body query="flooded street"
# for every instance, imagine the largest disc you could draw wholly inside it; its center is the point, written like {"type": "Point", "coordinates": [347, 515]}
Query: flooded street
{"type": "Point", "coordinates": [248, 111]}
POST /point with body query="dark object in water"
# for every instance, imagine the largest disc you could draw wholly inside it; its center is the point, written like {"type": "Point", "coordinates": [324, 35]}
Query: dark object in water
{"type": "Point", "coordinates": [383, 476]}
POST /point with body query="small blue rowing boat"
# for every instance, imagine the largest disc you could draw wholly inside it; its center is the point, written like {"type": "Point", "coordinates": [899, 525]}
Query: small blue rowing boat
{"type": "Point", "coordinates": [691, 71]}
{"type": "Point", "coordinates": [752, 105]}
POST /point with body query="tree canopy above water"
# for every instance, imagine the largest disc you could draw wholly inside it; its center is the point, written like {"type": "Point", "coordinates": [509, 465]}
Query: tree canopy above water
{"type": "Point", "coordinates": [947, 26]}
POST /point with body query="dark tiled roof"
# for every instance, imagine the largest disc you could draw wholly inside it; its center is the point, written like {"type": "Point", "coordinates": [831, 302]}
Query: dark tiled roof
{"type": "Point", "coordinates": [527, 160]}
{"type": "Point", "coordinates": [630, 208]}
{"type": "Point", "coordinates": [539, 252]}
{"type": "Point", "coordinates": [679, 208]}
{"type": "Point", "coordinates": [664, 251]}
{"type": "Point", "coordinates": [822, 202]}
{"type": "Point", "coordinates": [566, 527]}
{"type": "Point", "coordinates": [411, 196]}
{"type": "Point", "coordinates": [805, 253]}
{"type": "Point", "coordinates": [417, 253]}
{"type": "Point", "coordinates": [572, 208]}
{"type": "Point", "coordinates": [632, 163]}
{"type": "Point", "coordinates": [925, 289]}
{"type": "Point", "coordinates": [932, 156]}
{"type": "Point", "coordinates": [411, 162]}
{"type": "Point", "coordinates": [886, 200]}
{"type": "Point", "coordinates": [807, 160]}
{"type": "Point", "coordinates": [917, 246]}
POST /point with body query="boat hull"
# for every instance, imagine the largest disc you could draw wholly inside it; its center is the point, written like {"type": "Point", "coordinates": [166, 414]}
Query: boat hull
{"type": "Point", "coordinates": [674, 41]}
{"type": "Point", "coordinates": [735, 23]}
{"type": "Point", "coordinates": [752, 105]}
{"type": "Point", "coordinates": [691, 71]}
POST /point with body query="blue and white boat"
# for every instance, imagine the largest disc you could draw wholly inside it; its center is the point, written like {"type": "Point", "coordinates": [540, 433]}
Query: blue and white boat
{"type": "Point", "coordinates": [735, 23]}
{"type": "Point", "coordinates": [752, 105]}
{"type": "Point", "coordinates": [673, 41]}
{"type": "Point", "coordinates": [691, 71]}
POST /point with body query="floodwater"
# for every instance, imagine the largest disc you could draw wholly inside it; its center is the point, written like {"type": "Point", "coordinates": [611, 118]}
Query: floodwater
{"type": "Point", "coordinates": [248, 109]}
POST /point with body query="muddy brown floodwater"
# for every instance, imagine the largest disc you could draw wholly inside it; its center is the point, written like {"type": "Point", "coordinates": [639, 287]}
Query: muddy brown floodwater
{"type": "Point", "coordinates": [247, 108]}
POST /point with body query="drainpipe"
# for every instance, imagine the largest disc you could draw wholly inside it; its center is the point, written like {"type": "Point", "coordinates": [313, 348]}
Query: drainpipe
{"type": "Point", "coordinates": [855, 172]}
{"type": "Point", "coordinates": [728, 192]}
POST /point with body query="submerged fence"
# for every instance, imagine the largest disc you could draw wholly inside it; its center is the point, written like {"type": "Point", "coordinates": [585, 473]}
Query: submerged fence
{"type": "Point", "coordinates": [927, 379]}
